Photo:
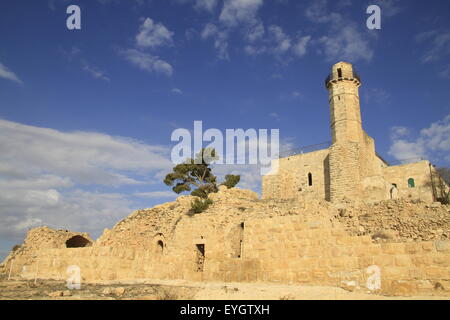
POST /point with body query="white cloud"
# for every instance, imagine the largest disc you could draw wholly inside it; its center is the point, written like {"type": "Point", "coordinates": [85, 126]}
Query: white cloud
{"type": "Point", "coordinates": [404, 150]}
{"type": "Point", "coordinates": [235, 12]}
{"type": "Point", "coordinates": [432, 142]}
{"type": "Point", "coordinates": [439, 46]}
{"type": "Point", "coordinates": [147, 62]}
{"type": "Point", "coordinates": [347, 43]}
{"type": "Point", "coordinates": [96, 73]}
{"type": "Point", "coordinates": [157, 194]}
{"type": "Point", "coordinates": [398, 132]}
{"type": "Point", "coordinates": [63, 179]}
{"type": "Point", "coordinates": [8, 74]}
{"type": "Point", "coordinates": [176, 91]}
{"type": "Point", "coordinates": [445, 72]}
{"type": "Point", "coordinates": [153, 35]}
{"type": "Point", "coordinates": [438, 49]}
{"type": "Point", "coordinates": [300, 47]}
{"type": "Point", "coordinates": [389, 8]}
{"type": "Point", "coordinates": [281, 40]}
{"type": "Point", "coordinates": [278, 43]}
{"type": "Point", "coordinates": [437, 136]}
{"type": "Point", "coordinates": [317, 12]}
{"type": "Point", "coordinates": [241, 16]}
{"type": "Point", "coordinates": [254, 32]}
{"type": "Point", "coordinates": [275, 116]}
{"type": "Point", "coordinates": [344, 39]}
{"type": "Point", "coordinates": [206, 5]}
{"type": "Point", "coordinates": [220, 39]}
{"type": "Point", "coordinates": [82, 157]}
{"type": "Point", "coordinates": [377, 96]}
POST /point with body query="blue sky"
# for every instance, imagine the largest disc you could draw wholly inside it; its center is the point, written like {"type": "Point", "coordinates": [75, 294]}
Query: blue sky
{"type": "Point", "coordinates": [86, 115]}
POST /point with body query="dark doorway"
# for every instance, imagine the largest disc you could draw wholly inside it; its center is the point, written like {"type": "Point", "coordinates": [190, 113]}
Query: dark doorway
{"type": "Point", "coordinates": [339, 73]}
{"type": "Point", "coordinates": [160, 247]}
{"type": "Point", "coordinates": [78, 242]}
{"type": "Point", "coordinates": [200, 257]}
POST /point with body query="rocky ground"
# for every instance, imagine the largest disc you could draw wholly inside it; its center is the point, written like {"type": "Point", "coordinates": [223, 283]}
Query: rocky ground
{"type": "Point", "coordinates": [181, 290]}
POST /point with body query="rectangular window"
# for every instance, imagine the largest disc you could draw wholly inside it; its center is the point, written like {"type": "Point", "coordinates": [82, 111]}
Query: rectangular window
{"type": "Point", "coordinates": [339, 73]}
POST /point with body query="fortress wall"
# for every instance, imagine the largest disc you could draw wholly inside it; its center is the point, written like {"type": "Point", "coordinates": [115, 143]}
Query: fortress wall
{"type": "Point", "coordinates": [292, 178]}
{"type": "Point", "coordinates": [420, 172]}
{"type": "Point", "coordinates": [279, 249]}
{"type": "Point", "coordinates": [290, 251]}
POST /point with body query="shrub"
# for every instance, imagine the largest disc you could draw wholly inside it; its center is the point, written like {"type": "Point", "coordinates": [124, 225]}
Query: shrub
{"type": "Point", "coordinates": [200, 205]}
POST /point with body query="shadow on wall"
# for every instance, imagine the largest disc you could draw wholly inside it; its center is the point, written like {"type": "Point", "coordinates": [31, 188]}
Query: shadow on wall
{"type": "Point", "coordinates": [78, 242]}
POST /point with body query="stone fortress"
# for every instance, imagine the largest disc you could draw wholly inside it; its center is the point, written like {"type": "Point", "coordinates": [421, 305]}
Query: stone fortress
{"type": "Point", "coordinates": [339, 217]}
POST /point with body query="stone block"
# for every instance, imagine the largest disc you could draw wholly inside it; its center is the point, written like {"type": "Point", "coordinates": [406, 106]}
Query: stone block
{"type": "Point", "coordinates": [396, 273]}
{"type": "Point", "coordinates": [413, 247]}
{"type": "Point", "coordinates": [384, 260]}
{"type": "Point", "coordinates": [443, 246]}
{"type": "Point", "coordinates": [428, 246]}
{"type": "Point", "coordinates": [436, 273]}
{"type": "Point", "coordinates": [403, 260]}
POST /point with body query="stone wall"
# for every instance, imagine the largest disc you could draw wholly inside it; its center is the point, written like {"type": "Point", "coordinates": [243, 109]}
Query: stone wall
{"type": "Point", "coordinates": [291, 180]}
{"type": "Point", "coordinates": [420, 172]}
{"type": "Point", "coordinates": [345, 178]}
{"type": "Point", "coordinates": [279, 249]}
{"type": "Point", "coordinates": [242, 238]}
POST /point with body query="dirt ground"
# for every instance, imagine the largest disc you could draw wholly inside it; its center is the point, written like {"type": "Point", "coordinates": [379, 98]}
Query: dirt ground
{"type": "Point", "coordinates": [18, 289]}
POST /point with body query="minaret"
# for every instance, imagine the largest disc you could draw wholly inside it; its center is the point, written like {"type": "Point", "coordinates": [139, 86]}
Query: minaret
{"type": "Point", "coordinates": [343, 95]}
{"type": "Point", "coordinates": [347, 133]}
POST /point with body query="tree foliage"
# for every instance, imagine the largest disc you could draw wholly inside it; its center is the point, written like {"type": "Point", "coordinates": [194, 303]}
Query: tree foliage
{"type": "Point", "coordinates": [196, 176]}
{"type": "Point", "coordinates": [445, 174]}
{"type": "Point", "coordinates": [231, 180]}
{"type": "Point", "coordinates": [200, 205]}
{"type": "Point", "coordinates": [444, 182]}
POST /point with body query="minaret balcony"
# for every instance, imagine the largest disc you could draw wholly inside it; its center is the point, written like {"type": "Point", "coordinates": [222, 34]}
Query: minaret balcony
{"type": "Point", "coordinates": [333, 78]}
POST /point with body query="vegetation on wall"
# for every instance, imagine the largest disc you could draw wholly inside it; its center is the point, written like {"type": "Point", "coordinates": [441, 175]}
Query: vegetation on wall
{"type": "Point", "coordinates": [444, 182]}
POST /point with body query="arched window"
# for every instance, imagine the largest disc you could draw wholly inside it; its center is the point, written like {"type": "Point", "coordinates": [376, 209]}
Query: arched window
{"type": "Point", "coordinates": [310, 179]}
{"type": "Point", "coordinates": [411, 183]}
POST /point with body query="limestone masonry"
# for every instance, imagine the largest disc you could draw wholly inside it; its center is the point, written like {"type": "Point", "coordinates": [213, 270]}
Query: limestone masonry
{"type": "Point", "coordinates": [328, 217]}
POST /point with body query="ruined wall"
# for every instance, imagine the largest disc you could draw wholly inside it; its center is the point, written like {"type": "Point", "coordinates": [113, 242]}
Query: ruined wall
{"type": "Point", "coordinates": [292, 182]}
{"type": "Point", "coordinates": [44, 238]}
{"type": "Point", "coordinates": [241, 238]}
{"type": "Point", "coordinates": [420, 172]}
{"type": "Point", "coordinates": [278, 249]}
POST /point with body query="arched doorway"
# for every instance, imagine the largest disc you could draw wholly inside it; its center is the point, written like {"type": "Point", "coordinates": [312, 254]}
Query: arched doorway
{"type": "Point", "coordinates": [78, 242]}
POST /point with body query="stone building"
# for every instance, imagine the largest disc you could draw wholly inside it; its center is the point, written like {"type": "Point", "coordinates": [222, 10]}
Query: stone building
{"type": "Point", "coordinates": [350, 167]}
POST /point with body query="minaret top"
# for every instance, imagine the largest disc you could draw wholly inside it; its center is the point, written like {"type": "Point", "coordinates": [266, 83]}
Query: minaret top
{"type": "Point", "coordinates": [342, 71]}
